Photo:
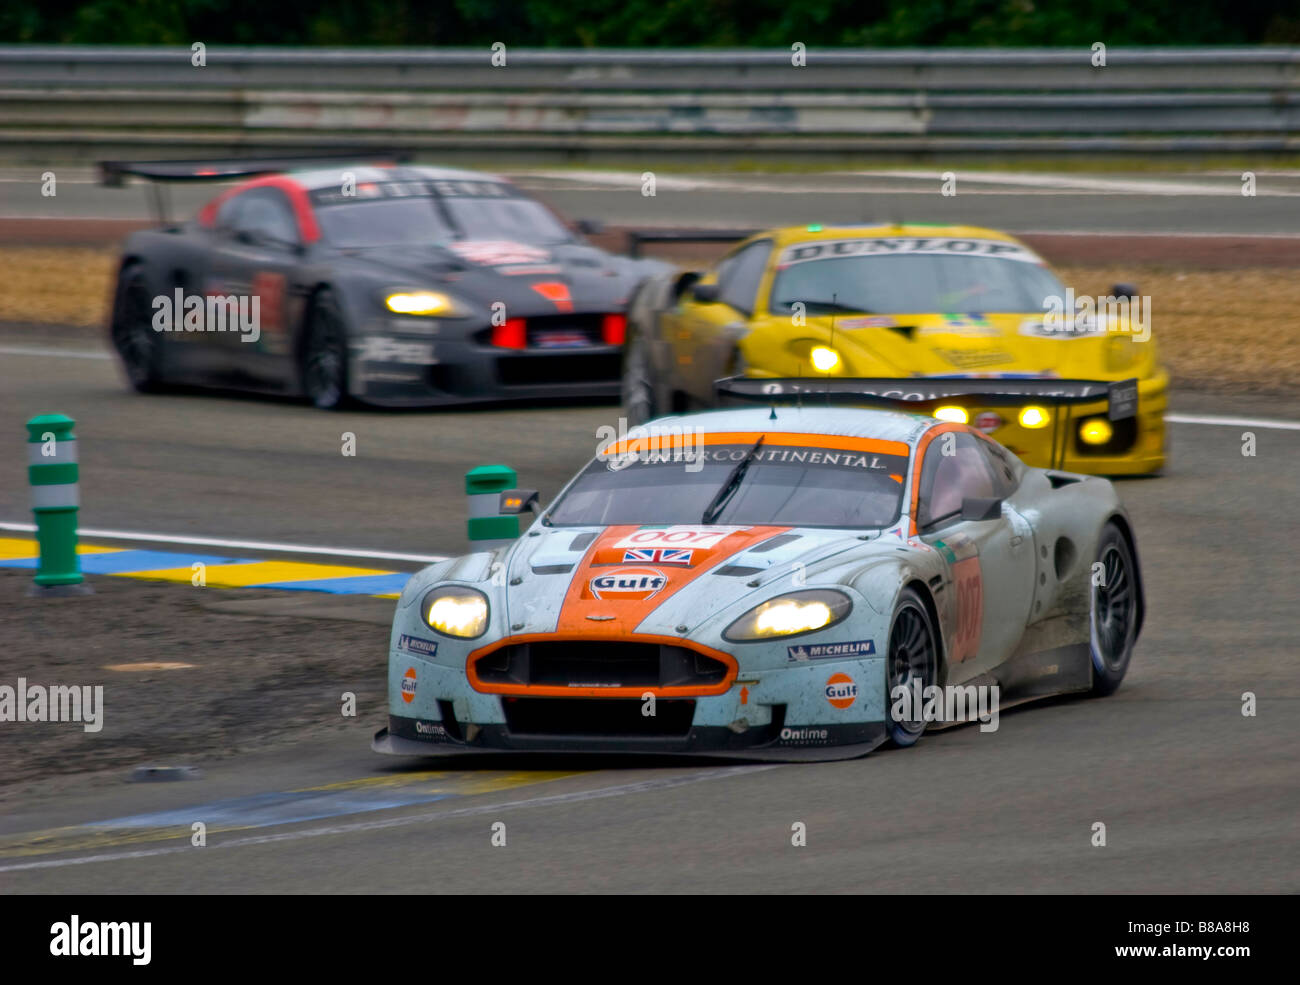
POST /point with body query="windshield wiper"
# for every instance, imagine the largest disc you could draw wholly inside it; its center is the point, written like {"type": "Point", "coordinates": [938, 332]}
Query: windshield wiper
{"type": "Point", "coordinates": [734, 479]}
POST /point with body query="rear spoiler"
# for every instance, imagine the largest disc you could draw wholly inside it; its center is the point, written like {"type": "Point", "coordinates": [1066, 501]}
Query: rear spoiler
{"type": "Point", "coordinates": [922, 393]}
{"type": "Point", "coordinates": [635, 237]}
{"type": "Point", "coordinates": [113, 174]}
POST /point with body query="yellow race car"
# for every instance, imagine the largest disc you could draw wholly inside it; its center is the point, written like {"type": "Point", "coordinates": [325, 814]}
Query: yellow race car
{"type": "Point", "coordinates": [882, 303]}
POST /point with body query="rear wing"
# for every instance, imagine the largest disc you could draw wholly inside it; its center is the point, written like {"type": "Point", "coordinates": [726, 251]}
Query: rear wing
{"type": "Point", "coordinates": [924, 393]}
{"type": "Point", "coordinates": [635, 237]}
{"type": "Point", "coordinates": [113, 174]}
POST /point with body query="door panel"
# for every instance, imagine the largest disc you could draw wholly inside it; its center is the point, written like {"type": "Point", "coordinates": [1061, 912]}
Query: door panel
{"type": "Point", "coordinates": [990, 562]}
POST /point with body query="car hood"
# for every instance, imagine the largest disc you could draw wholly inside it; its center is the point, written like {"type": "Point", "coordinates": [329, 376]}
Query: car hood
{"type": "Point", "coordinates": [506, 270]}
{"type": "Point", "coordinates": [601, 582]}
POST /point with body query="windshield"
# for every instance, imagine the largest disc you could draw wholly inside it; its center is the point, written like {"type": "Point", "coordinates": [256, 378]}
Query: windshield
{"type": "Point", "coordinates": [897, 276]}
{"type": "Point", "coordinates": [519, 219]}
{"type": "Point", "coordinates": [423, 221]}
{"type": "Point", "coordinates": [385, 222]}
{"type": "Point", "coordinates": [786, 484]}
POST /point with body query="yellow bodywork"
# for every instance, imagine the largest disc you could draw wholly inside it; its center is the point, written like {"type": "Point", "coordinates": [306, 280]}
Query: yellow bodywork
{"type": "Point", "coordinates": [934, 344]}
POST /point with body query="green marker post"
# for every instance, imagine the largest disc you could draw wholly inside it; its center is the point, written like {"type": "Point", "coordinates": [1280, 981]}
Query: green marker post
{"type": "Point", "coordinates": [488, 529]}
{"type": "Point", "coordinates": [56, 499]}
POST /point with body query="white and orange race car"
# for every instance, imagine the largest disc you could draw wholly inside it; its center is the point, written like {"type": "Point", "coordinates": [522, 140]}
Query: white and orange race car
{"type": "Point", "coordinates": [771, 583]}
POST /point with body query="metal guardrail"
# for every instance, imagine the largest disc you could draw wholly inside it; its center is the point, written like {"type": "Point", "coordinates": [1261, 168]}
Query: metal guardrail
{"type": "Point", "coordinates": [87, 102]}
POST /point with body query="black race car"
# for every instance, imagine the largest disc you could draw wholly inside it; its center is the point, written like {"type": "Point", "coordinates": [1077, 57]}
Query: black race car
{"type": "Point", "coordinates": [388, 284]}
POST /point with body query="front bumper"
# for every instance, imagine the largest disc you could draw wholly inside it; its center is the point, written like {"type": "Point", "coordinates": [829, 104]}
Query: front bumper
{"type": "Point", "coordinates": [413, 737]}
{"type": "Point", "coordinates": [399, 365]}
{"type": "Point", "coordinates": [779, 713]}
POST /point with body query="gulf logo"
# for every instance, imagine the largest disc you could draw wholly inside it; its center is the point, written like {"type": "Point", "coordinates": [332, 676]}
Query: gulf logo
{"type": "Point", "coordinates": [841, 691]}
{"type": "Point", "coordinates": [408, 685]}
{"type": "Point", "coordinates": [628, 584]}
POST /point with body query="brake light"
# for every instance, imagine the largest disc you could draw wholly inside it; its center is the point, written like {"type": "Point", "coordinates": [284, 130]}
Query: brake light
{"type": "Point", "coordinates": [511, 334]}
{"type": "Point", "coordinates": [613, 329]}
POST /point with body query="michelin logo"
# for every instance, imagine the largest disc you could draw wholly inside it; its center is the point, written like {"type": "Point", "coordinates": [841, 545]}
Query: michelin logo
{"type": "Point", "coordinates": [825, 651]}
{"type": "Point", "coordinates": [416, 645]}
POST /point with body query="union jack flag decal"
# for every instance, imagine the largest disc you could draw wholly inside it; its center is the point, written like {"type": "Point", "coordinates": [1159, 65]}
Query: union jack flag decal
{"type": "Point", "coordinates": [657, 555]}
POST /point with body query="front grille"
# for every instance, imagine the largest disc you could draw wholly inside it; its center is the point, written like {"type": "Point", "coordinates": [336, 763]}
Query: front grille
{"type": "Point", "coordinates": [556, 331]}
{"type": "Point", "coordinates": [558, 366]}
{"type": "Point", "coordinates": [597, 716]}
{"type": "Point", "coordinates": [612, 663]}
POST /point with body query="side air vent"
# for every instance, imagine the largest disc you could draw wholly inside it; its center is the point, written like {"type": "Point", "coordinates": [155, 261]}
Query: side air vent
{"type": "Point", "coordinates": [739, 570]}
{"type": "Point", "coordinates": [774, 543]}
{"type": "Point", "coordinates": [1059, 479]}
{"type": "Point", "coordinates": [1065, 555]}
{"type": "Point", "coordinates": [552, 569]}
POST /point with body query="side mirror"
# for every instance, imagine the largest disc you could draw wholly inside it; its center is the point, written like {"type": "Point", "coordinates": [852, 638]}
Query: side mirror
{"type": "Point", "coordinates": [1124, 291]}
{"type": "Point", "coordinates": [978, 508]}
{"type": "Point", "coordinates": [708, 293]}
{"type": "Point", "coordinates": [589, 227]}
{"type": "Point", "coordinates": [512, 502]}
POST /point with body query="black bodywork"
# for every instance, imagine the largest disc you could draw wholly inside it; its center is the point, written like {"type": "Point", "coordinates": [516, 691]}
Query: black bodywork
{"type": "Point", "coordinates": [538, 311]}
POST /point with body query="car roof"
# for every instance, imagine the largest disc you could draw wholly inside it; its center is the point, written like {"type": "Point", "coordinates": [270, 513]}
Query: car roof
{"type": "Point", "coordinates": [816, 232]}
{"type": "Point", "coordinates": [846, 422]}
{"type": "Point", "coordinates": [318, 178]}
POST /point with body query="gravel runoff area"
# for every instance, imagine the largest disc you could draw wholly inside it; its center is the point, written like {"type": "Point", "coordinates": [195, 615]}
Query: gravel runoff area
{"type": "Point", "coordinates": [254, 677]}
{"type": "Point", "coordinates": [1220, 330]}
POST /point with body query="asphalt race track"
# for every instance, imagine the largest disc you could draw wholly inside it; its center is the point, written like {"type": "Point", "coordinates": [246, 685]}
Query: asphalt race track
{"type": "Point", "coordinates": [1195, 796]}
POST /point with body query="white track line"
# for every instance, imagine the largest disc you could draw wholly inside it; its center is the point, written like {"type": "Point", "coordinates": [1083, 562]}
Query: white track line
{"type": "Point", "coordinates": [246, 545]}
{"type": "Point", "coordinates": [426, 817]}
{"type": "Point", "coordinates": [1233, 422]}
{"type": "Point", "coordinates": [32, 350]}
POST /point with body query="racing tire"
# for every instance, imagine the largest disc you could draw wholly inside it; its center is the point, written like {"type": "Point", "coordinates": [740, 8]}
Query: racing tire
{"type": "Point", "coordinates": [324, 360]}
{"type": "Point", "coordinates": [132, 334]}
{"type": "Point", "coordinates": [1113, 611]}
{"type": "Point", "coordinates": [637, 385]}
{"type": "Point", "coordinates": [912, 652]}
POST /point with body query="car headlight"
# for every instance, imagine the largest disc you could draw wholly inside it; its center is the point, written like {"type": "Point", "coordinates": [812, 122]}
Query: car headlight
{"type": "Point", "coordinates": [420, 303]}
{"type": "Point", "coordinates": [824, 358]}
{"type": "Point", "coordinates": [456, 611]}
{"type": "Point", "coordinates": [789, 615]}
{"type": "Point", "coordinates": [1035, 417]}
{"type": "Point", "coordinates": [1096, 431]}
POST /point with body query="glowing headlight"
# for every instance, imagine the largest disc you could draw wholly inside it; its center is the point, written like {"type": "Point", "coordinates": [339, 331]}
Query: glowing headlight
{"type": "Point", "coordinates": [419, 303]}
{"type": "Point", "coordinates": [1096, 431]}
{"type": "Point", "coordinates": [456, 611]}
{"type": "Point", "coordinates": [1034, 417]}
{"type": "Point", "coordinates": [824, 358]}
{"type": "Point", "coordinates": [789, 615]}
{"type": "Point", "coordinates": [957, 415]}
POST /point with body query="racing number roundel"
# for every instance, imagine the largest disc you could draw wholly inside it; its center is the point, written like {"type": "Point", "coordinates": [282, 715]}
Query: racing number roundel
{"type": "Point", "coordinates": [968, 580]}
